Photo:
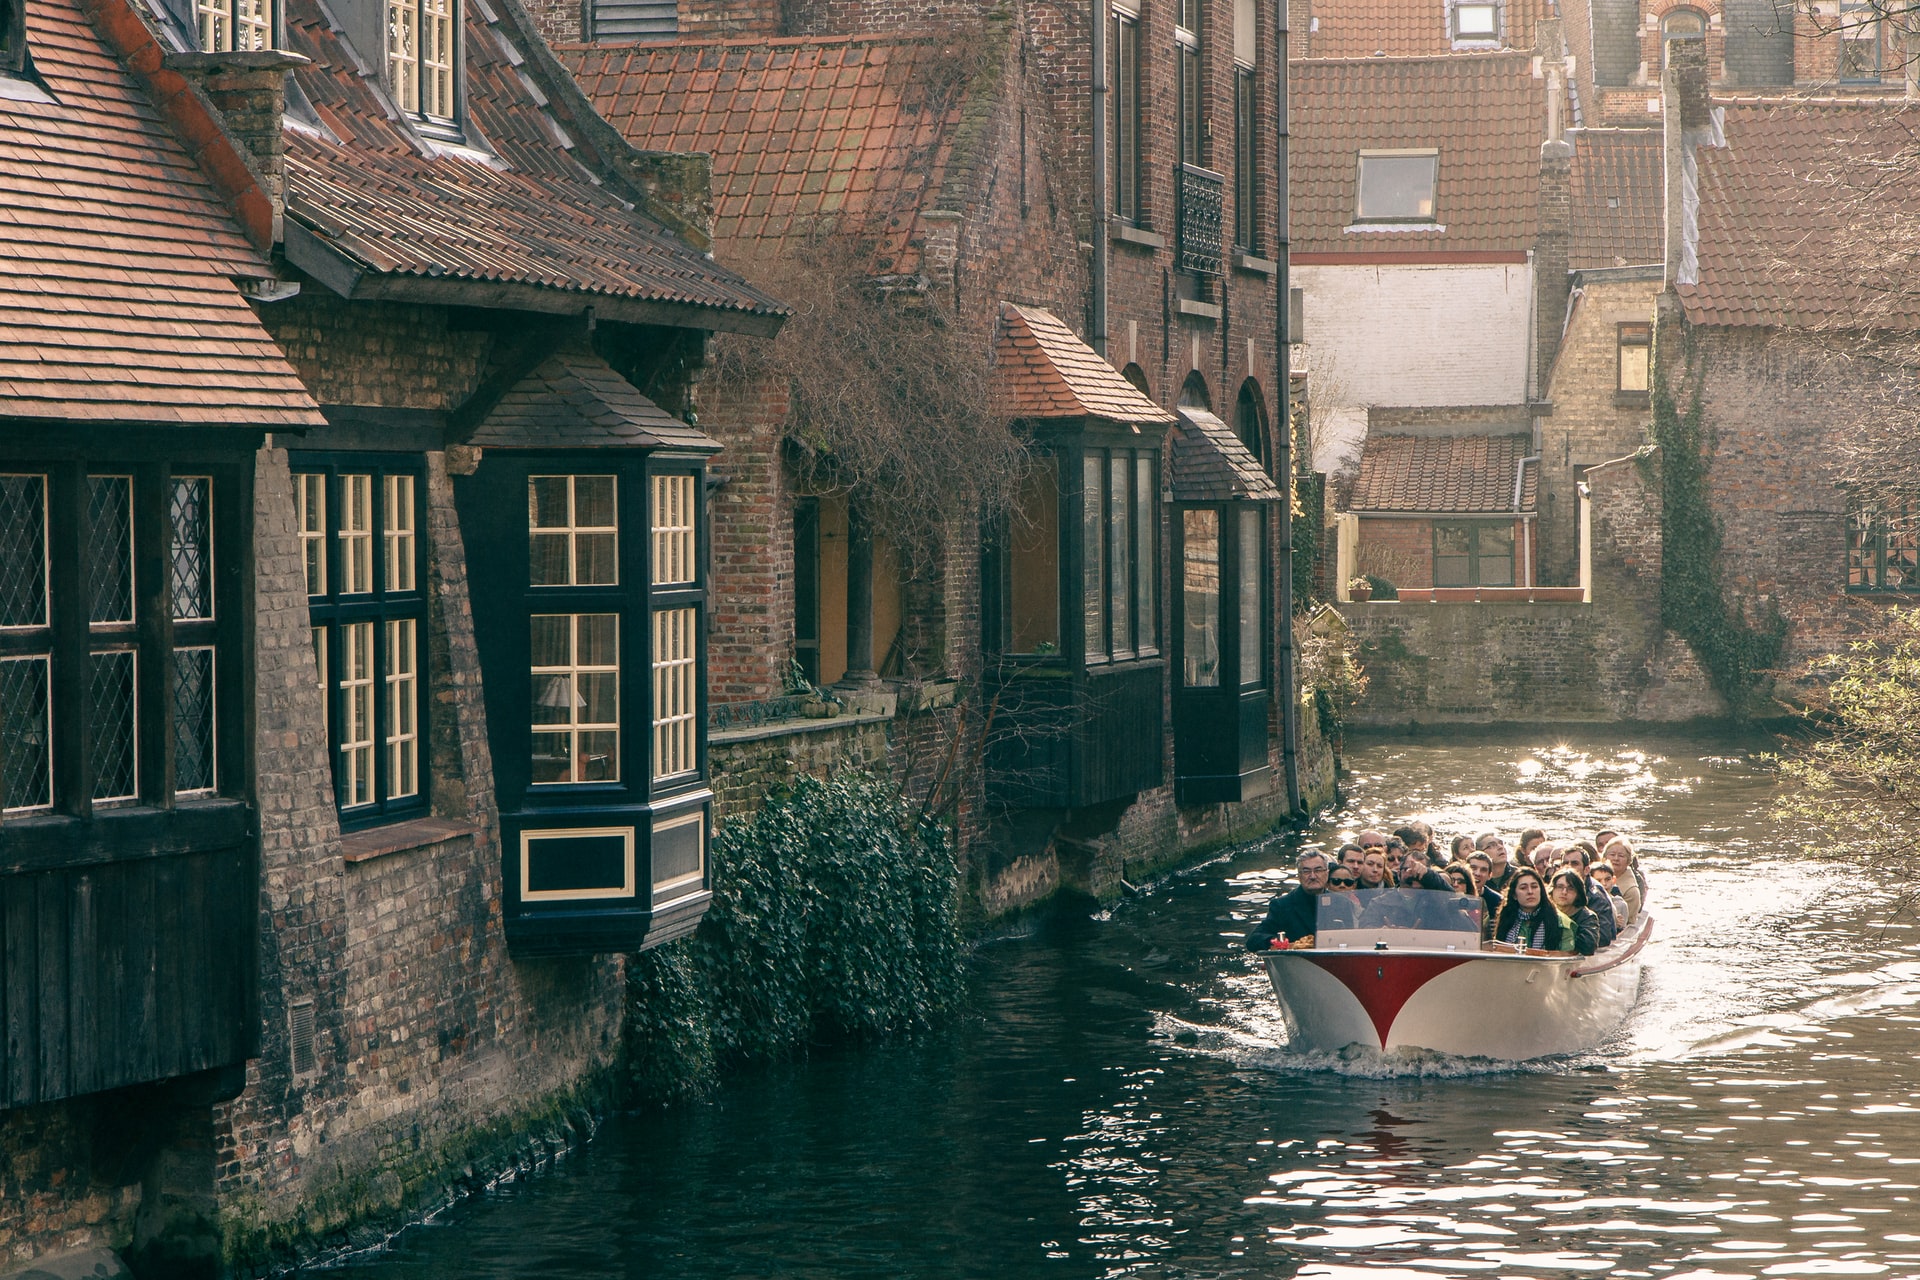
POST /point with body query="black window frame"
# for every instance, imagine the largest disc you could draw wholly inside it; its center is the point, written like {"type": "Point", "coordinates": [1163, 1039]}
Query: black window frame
{"type": "Point", "coordinates": [1474, 556]}
{"type": "Point", "coordinates": [1870, 544]}
{"type": "Point", "coordinates": [681, 593]}
{"type": "Point", "coordinates": [335, 609]}
{"type": "Point", "coordinates": [1231, 623]}
{"type": "Point", "coordinates": [1190, 93]}
{"type": "Point", "coordinates": [1129, 203]}
{"type": "Point", "coordinates": [13, 37]}
{"type": "Point", "coordinates": [1246, 158]}
{"type": "Point", "coordinates": [69, 639]}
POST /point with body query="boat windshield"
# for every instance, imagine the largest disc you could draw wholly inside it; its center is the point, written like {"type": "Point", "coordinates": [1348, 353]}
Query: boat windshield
{"type": "Point", "coordinates": [1398, 915]}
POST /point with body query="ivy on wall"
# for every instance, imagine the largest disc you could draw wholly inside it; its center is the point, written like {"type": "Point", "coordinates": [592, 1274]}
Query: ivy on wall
{"type": "Point", "coordinates": [834, 917]}
{"type": "Point", "coordinates": [1693, 597]}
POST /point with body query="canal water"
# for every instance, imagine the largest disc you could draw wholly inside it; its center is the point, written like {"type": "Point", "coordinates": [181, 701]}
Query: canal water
{"type": "Point", "coordinates": [1118, 1101]}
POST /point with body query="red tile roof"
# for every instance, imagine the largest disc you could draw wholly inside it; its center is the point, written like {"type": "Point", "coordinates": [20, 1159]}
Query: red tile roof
{"type": "Point", "coordinates": [1399, 28]}
{"type": "Point", "coordinates": [1484, 113]}
{"type": "Point", "coordinates": [1047, 372]}
{"type": "Point", "coordinates": [117, 259]}
{"type": "Point", "coordinates": [541, 222]}
{"type": "Point", "coordinates": [806, 135]}
{"type": "Point", "coordinates": [1463, 475]}
{"type": "Point", "coordinates": [1619, 177]}
{"type": "Point", "coordinates": [1772, 198]}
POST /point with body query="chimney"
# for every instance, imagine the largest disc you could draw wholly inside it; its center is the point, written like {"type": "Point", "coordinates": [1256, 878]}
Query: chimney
{"type": "Point", "coordinates": [1552, 247]}
{"type": "Point", "coordinates": [1688, 123]}
{"type": "Point", "coordinates": [249, 91]}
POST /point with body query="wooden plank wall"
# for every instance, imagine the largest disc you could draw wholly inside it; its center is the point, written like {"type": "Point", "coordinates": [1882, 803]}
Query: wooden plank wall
{"type": "Point", "coordinates": [124, 972]}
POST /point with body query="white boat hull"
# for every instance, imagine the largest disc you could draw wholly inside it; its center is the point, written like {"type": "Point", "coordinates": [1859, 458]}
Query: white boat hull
{"type": "Point", "coordinates": [1482, 1004]}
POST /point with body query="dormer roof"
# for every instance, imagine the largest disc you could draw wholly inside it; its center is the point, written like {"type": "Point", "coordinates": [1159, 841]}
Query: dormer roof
{"type": "Point", "coordinates": [535, 212]}
{"type": "Point", "coordinates": [1046, 371]}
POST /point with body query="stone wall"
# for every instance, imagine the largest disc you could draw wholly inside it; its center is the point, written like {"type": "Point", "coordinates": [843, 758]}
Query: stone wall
{"type": "Point", "coordinates": [1606, 661]}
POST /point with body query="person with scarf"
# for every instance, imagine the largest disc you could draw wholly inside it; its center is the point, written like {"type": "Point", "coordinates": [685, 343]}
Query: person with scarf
{"type": "Point", "coordinates": [1528, 920]}
{"type": "Point", "coordinates": [1569, 898]}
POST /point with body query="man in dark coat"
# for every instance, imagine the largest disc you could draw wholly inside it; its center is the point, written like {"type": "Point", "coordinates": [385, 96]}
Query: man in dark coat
{"type": "Point", "coordinates": [1291, 915]}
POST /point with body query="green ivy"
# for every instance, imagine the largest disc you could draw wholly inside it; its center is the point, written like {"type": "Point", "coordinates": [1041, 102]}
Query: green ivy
{"type": "Point", "coordinates": [1693, 598]}
{"type": "Point", "coordinates": [834, 917]}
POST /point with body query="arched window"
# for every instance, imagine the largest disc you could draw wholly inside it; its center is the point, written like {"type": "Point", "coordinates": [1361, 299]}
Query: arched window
{"type": "Point", "coordinates": [1250, 421]}
{"type": "Point", "coordinates": [1681, 24]}
{"type": "Point", "coordinates": [1193, 392]}
{"type": "Point", "coordinates": [1134, 374]}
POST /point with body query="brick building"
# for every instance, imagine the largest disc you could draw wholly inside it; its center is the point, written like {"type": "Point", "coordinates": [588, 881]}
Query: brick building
{"type": "Point", "coordinates": [1762, 290]}
{"type": "Point", "coordinates": [353, 665]}
{"type": "Point", "coordinates": [953, 143]}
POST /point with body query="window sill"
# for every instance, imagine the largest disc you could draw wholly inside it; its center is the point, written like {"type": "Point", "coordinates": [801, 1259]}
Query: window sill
{"type": "Point", "coordinates": [1632, 399]}
{"type": "Point", "coordinates": [789, 728]}
{"type": "Point", "coordinates": [1258, 266]}
{"type": "Point", "coordinates": [400, 837]}
{"type": "Point", "coordinates": [1127, 233]}
{"type": "Point", "coordinates": [1200, 310]}
{"type": "Point", "coordinates": [1872, 592]}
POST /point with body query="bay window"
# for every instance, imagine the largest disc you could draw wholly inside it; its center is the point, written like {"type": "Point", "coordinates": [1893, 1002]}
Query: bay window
{"type": "Point", "coordinates": [358, 519]}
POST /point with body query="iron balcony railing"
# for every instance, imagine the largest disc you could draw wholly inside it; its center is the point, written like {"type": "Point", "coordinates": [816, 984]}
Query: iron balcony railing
{"type": "Point", "coordinates": [1200, 201]}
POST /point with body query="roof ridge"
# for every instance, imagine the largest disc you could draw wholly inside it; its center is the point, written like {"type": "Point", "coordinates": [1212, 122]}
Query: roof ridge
{"type": "Point", "coordinates": [1460, 59]}
{"type": "Point", "coordinates": [752, 42]}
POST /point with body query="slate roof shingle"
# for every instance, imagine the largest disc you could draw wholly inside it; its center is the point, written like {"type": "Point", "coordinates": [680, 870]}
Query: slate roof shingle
{"type": "Point", "coordinates": [1484, 112]}
{"type": "Point", "coordinates": [1401, 28]}
{"type": "Point", "coordinates": [1772, 199]}
{"type": "Point", "coordinates": [1211, 464]}
{"type": "Point", "coordinates": [117, 259]}
{"type": "Point", "coordinates": [807, 135]}
{"type": "Point", "coordinates": [1047, 372]}
{"type": "Point", "coordinates": [1465, 475]}
{"type": "Point", "coordinates": [574, 400]}
{"type": "Point", "coordinates": [1619, 181]}
{"type": "Point", "coordinates": [541, 221]}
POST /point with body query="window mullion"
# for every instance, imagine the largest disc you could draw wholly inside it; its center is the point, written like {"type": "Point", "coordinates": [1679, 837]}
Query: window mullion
{"type": "Point", "coordinates": [72, 785]}
{"type": "Point", "coordinates": [154, 611]}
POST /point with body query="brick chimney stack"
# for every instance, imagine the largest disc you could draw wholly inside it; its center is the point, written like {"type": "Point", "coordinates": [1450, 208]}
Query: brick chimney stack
{"type": "Point", "coordinates": [249, 91]}
{"type": "Point", "coordinates": [1552, 247]}
{"type": "Point", "coordinates": [1688, 123]}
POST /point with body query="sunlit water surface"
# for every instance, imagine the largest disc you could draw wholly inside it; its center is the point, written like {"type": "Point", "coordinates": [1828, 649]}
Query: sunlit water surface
{"type": "Point", "coordinates": [1118, 1100]}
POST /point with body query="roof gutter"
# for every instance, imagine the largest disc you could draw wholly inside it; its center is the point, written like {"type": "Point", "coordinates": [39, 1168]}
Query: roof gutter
{"type": "Point", "coordinates": [1520, 479]}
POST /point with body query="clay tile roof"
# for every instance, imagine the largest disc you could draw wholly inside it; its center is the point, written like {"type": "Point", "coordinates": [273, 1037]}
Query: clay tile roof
{"type": "Point", "coordinates": [1047, 372]}
{"type": "Point", "coordinates": [1443, 474]}
{"type": "Point", "coordinates": [1401, 28]}
{"type": "Point", "coordinates": [1211, 464]}
{"type": "Point", "coordinates": [1484, 113]}
{"type": "Point", "coordinates": [117, 259]}
{"type": "Point", "coordinates": [873, 156]}
{"type": "Point", "coordinates": [1619, 177]}
{"type": "Point", "coordinates": [574, 399]}
{"type": "Point", "coordinates": [1772, 198]}
{"type": "Point", "coordinates": [539, 222]}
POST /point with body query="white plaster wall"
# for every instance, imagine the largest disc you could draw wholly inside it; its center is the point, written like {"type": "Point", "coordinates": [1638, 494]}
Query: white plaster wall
{"type": "Point", "coordinates": [1410, 337]}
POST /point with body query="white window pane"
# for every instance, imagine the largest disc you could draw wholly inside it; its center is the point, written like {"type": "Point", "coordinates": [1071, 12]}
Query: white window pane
{"type": "Point", "coordinates": [1397, 187]}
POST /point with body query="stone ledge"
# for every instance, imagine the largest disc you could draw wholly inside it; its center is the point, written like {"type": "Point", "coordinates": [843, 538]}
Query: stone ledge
{"type": "Point", "coordinates": [1127, 233]}
{"type": "Point", "coordinates": [788, 728]}
{"type": "Point", "coordinates": [1253, 263]}
{"type": "Point", "coordinates": [400, 837]}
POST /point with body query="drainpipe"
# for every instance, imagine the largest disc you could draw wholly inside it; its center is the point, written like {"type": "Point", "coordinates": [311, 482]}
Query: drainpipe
{"type": "Point", "coordinates": [1283, 453]}
{"type": "Point", "coordinates": [1526, 525]}
{"type": "Point", "coordinates": [1097, 322]}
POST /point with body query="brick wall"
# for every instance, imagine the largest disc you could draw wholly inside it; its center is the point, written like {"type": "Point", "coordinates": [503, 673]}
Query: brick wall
{"type": "Point", "coordinates": [395, 355]}
{"type": "Point", "coordinates": [750, 635]}
{"type": "Point", "coordinates": [1591, 422]}
{"type": "Point", "coordinates": [1608, 661]}
{"type": "Point", "coordinates": [1772, 476]}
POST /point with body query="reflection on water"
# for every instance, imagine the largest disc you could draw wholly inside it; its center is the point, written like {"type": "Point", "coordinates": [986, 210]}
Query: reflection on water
{"type": "Point", "coordinates": [1119, 1102]}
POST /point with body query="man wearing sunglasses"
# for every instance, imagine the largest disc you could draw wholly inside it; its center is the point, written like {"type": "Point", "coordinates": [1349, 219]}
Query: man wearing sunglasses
{"type": "Point", "coordinates": [1291, 915]}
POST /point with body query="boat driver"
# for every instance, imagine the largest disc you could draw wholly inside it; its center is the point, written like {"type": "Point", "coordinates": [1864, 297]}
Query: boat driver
{"type": "Point", "coordinates": [1291, 914]}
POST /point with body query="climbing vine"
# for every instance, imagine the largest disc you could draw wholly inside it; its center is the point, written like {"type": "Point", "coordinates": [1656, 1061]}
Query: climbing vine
{"type": "Point", "coordinates": [834, 917]}
{"type": "Point", "coordinates": [1693, 597]}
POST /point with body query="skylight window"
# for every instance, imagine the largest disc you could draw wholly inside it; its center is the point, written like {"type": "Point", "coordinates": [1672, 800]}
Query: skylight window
{"type": "Point", "coordinates": [1397, 186]}
{"type": "Point", "coordinates": [1476, 22]}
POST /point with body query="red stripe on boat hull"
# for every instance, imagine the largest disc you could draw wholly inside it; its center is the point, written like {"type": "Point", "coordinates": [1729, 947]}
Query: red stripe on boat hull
{"type": "Point", "coordinates": [1384, 983]}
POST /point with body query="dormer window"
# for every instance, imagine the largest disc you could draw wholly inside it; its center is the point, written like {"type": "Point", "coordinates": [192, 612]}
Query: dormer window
{"type": "Point", "coordinates": [232, 26]}
{"type": "Point", "coordinates": [422, 56]}
{"type": "Point", "coordinates": [1476, 22]}
{"type": "Point", "coordinates": [1397, 186]}
{"type": "Point", "coordinates": [13, 36]}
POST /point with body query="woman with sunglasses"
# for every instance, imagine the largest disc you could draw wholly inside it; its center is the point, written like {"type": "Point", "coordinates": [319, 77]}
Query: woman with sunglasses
{"type": "Point", "coordinates": [1340, 909]}
{"type": "Point", "coordinates": [1528, 920]}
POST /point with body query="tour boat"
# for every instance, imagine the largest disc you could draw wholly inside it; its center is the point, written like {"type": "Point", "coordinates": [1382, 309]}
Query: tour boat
{"type": "Point", "coordinates": [1409, 973]}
